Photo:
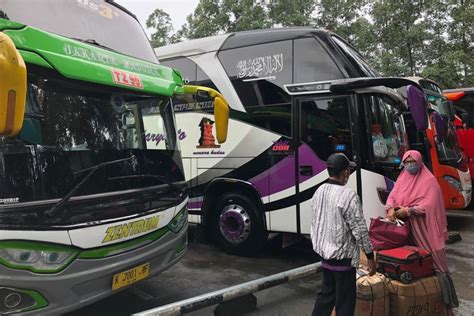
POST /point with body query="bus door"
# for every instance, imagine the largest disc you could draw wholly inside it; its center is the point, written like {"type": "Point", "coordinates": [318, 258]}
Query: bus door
{"type": "Point", "coordinates": [279, 190]}
{"type": "Point", "coordinates": [387, 141]}
{"type": "Point", "coordinates": [324, 128]}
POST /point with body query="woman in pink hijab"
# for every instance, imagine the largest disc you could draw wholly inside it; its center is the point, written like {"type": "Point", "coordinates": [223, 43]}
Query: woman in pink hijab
{"type": "Point", "coordinates": [419, 198]}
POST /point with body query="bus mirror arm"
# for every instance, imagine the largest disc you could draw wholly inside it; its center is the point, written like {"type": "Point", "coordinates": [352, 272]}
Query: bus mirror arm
{"type": "Point", "coordinates": [13, 90]}
{"type": "Point", "coordinates": [221, 108]}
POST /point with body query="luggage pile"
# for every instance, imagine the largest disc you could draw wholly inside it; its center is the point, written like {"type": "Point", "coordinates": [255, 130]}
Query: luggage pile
{"type": "Point", "coordinates": [407, 275]}
{"type": "Point", "coordinates": [372, 296]}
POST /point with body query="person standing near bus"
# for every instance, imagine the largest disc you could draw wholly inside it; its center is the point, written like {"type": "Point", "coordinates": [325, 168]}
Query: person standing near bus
{"type": "Point", "coordinates": [419, 200]}
{"type": "Point", "coordinates": [338, 230]}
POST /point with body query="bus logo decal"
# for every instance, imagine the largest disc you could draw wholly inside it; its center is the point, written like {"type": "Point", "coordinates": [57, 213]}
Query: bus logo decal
{"type": "Point", "coordinates": [281, 147]}
{"type": "Point", "coordinates": [10, 200]}
{"type": "Point", "coordinates": [207, 139]}
{"type": "Point", "coordinates": [129, 229]}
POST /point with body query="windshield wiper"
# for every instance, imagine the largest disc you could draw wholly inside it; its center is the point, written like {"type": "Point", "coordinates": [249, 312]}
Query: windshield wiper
{"type": "Point", "coordinates": [92, 42]}
{"type": "Point", "coordinates": [53, 211]}
{"type": "Point", "coordinates": [150, 176]}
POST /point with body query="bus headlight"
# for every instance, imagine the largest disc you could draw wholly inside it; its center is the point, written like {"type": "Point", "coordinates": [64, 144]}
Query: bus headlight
{"type": "Point", "coordinates": [36, 257]}
{"type": "Point", "coordinates": [453, 182]}
{"type": "Point", "coordinates": [178, 221]}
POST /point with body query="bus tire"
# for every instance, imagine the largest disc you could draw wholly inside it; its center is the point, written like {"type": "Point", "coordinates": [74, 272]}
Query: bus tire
{"type": "Point", "coordinates": [237, 225]}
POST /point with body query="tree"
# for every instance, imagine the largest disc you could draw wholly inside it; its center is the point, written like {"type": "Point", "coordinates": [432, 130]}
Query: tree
{"type": "Point", "coordinates": [438, 52]}
{"type": "Point", "coordinates": [292, 12]}
{"type": "Point", "coordinates": [243, 15]}
{"type": "Point", "coordinates": [348, 20]}
{"type": "Point", "coordinates": [206, 20]}
{"type": "Point", "coordinates": [400, 30]}
{"type": "Point", "coordinates": [460, 32]}
{"type": "Point", "coordinates": [160, 21]}
{"type": "Point", "coordinates": [399, 38]}
{"type": "Point", "coordinates": [339, 16]}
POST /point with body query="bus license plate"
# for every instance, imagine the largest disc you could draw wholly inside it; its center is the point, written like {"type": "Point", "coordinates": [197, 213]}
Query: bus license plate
{"type": "Point", "coordinates": [130, 276]}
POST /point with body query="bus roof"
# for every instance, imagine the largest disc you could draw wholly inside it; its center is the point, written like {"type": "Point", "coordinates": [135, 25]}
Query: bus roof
{"type": "Point", "coordinates": [236, 39]}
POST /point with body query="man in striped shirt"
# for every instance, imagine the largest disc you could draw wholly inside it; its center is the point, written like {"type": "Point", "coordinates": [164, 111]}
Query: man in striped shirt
{"type": "Point", "coordinates": [338, 231]}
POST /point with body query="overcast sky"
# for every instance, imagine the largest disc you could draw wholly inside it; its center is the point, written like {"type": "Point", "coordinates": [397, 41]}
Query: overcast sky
{"type": "Point", "coordinates": [177, 9]}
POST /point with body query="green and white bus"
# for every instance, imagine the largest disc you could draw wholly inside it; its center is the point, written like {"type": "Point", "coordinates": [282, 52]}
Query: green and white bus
{"type": "Point", "coordinates": [92, 189]}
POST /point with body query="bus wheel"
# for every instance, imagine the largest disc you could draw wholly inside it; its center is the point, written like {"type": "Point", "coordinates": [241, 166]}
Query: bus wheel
{"type": "Point", "coordinates": [237, 225]}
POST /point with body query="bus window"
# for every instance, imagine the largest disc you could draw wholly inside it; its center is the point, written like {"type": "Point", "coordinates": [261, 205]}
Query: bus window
{"type": "Point", "coordinates": [273, 118]}
{"type": "Point", "coordinates": [202, 79]}
{"type": "Point", "coordinates": [325, 126]}
{"type": "Point", "coordinates": [260, 71]}
{"type": "Point", "coordinates": [388, 139]}
{"type": "Point", "coordinates": [356, 57]}
{"type": "Point", "coordinates": [159, 133]}
{"type": "Point", "coordinates": [312, 63]}
{"type": "Point", "coordinates": [467, 103]}
{"type": "Point", "coordinates": [185, 66]}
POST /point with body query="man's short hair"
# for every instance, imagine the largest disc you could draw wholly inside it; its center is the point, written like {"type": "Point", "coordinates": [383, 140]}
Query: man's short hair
{"type": "Point", "coordinates": [337, 163]}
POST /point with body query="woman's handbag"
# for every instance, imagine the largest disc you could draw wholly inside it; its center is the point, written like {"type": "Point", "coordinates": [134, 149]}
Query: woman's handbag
{"type": "Point", "coordinates": [385, 234]}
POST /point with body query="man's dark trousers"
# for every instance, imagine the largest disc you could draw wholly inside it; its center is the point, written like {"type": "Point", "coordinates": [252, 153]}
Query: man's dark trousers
{"type": "Point", "coordinates": [338, 290]}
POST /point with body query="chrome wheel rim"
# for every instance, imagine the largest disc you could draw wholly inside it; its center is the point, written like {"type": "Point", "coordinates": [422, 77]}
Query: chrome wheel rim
{"type": "Point", "coordinates": [234, 223]}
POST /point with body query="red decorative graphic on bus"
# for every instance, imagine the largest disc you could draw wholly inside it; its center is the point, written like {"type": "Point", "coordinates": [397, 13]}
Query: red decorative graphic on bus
{"type": "Point", "coordinates": [281, 145]}
{"type": "Point", "coordinates": [207, 139]}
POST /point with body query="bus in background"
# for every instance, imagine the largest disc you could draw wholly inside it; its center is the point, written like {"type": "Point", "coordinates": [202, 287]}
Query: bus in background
{"type": "Point", "coordinates": [447, 161]}
{"type": "Point", "coordinates": [93, 195]}
{"type": "Point", "coordinates": [463, 101]}
{"type": "Point", "coordinates": [292, 105]}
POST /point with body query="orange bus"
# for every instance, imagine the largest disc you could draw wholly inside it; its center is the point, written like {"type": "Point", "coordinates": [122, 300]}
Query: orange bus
{"type": "Point", "coordinates": [446, 159]}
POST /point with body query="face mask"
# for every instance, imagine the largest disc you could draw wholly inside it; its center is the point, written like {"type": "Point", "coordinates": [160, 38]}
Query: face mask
{"type": "Point", "coordinates": [413, 169]}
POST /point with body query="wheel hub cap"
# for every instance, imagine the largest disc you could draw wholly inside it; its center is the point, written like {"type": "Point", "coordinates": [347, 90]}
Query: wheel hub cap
{"type": "Point", "coordinates": [234, 224]}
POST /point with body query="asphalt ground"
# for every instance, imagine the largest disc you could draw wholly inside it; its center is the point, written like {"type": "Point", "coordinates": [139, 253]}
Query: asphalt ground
{"type": "Point", "coordinates": [205, 269]}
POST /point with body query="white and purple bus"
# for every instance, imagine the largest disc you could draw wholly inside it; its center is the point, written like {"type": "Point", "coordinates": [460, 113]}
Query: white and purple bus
{"type": "Point", "coordinates": [292, 105]}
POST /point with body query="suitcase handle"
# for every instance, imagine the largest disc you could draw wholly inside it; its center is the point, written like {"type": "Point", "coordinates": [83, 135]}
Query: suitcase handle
{"type": "Point", "coordinates": [416, 253]}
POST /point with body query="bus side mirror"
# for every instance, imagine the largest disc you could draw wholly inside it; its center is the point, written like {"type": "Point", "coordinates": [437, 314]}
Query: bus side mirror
{"type": "Point", "coordinates": [12, 88]}
{"type": "Point", "coordinates": [439, 127]}
{"type": "Point", "coordinates": [417, 103]}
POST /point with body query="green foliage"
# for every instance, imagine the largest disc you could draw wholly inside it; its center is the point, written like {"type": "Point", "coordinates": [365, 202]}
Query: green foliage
{"type": "Point", "coordinates": [160, 21]}
{"type": "Point", "coordinates": [292, 12]}
{"type": "Point", "coordinates": [428, 38]}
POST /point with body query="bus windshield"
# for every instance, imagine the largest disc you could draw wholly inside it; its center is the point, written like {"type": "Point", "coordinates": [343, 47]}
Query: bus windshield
{"type": "Point", "coordinates": [71, 127]}
{"type": "Point", "coordinates": [95, 21]}
{"type": "Point", "coordinates": [356, 57]}
{"type": "Point", "coordinates": [448, 150]}
{"type": "Point", "coordinates": [389, 138]}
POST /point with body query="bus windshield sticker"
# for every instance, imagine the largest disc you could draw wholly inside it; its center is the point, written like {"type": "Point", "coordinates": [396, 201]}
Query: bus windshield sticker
{"type": "Point", "coordinates": [126, 79]}
{"type": "Point", "coordinates": [105, 10]}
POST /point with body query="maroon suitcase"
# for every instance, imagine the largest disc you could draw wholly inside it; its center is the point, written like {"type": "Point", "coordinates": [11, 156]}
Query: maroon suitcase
{"type": "Point", "coordinates": [405, 263]}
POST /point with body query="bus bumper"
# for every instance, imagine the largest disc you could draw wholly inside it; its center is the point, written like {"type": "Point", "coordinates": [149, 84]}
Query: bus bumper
{"type": "Point", "coordinates": [86, 281]}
